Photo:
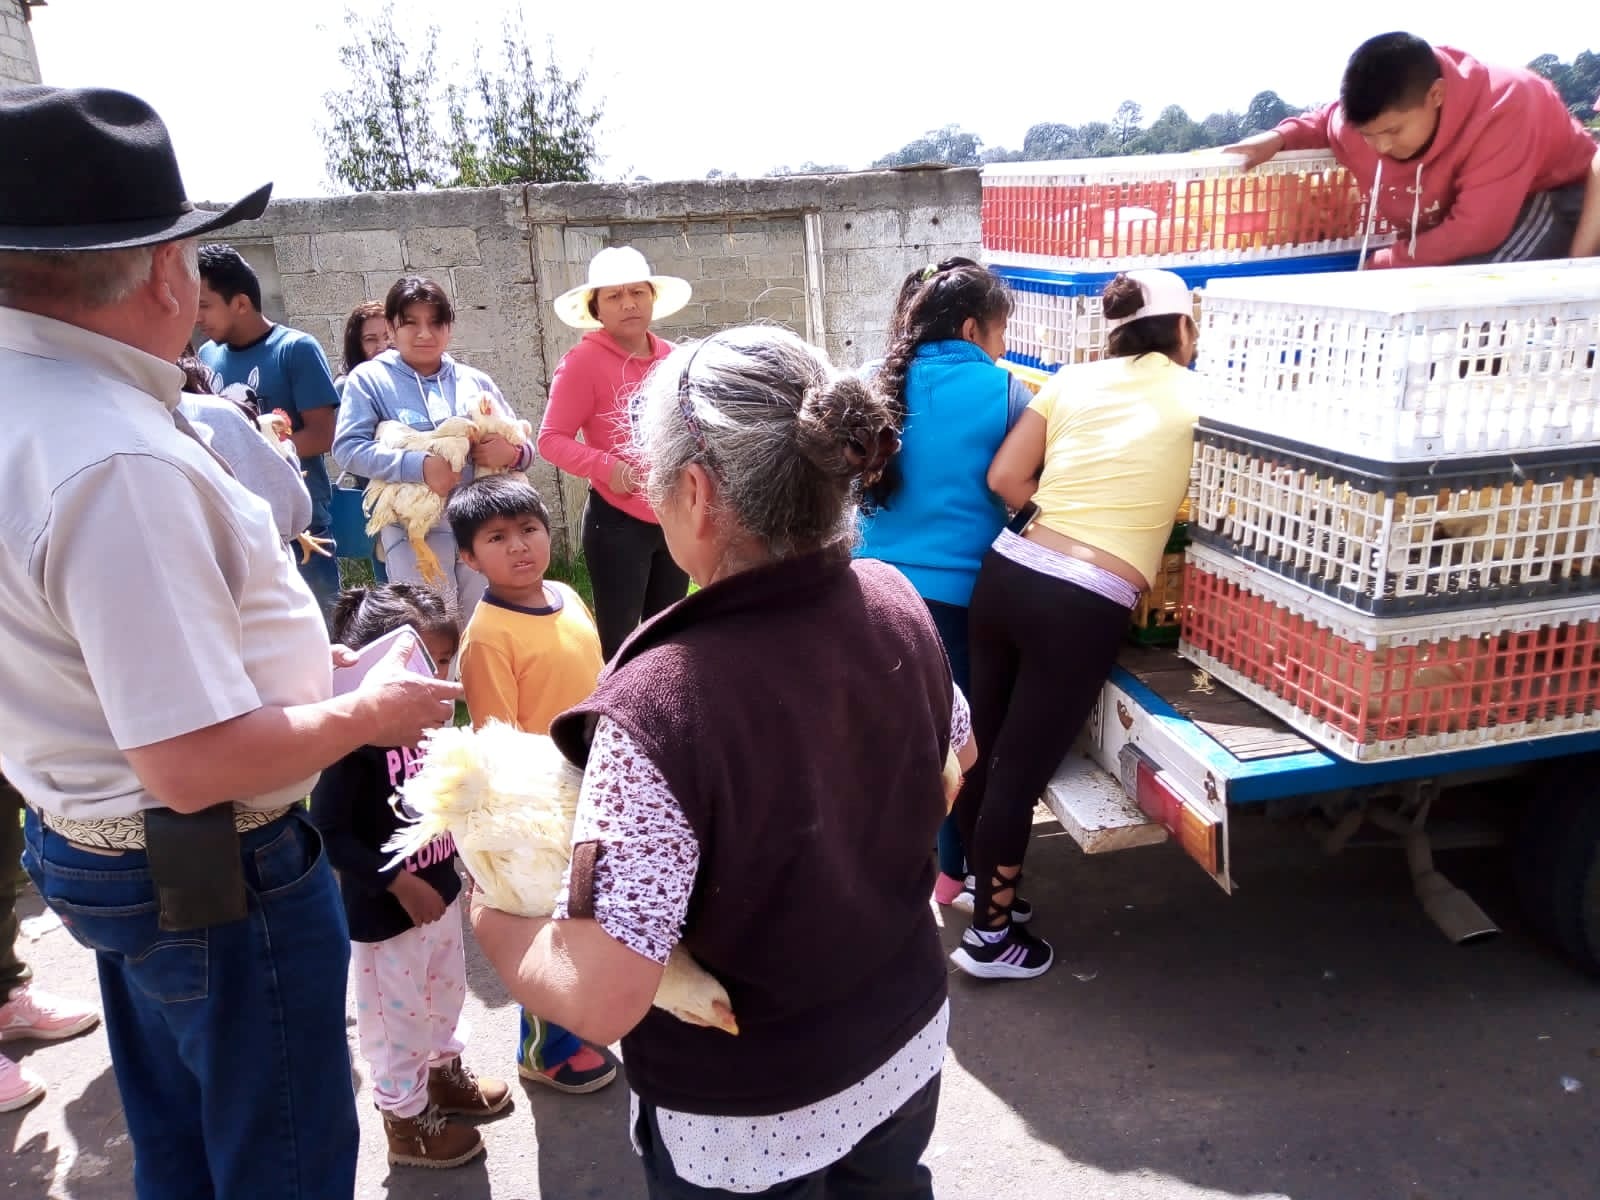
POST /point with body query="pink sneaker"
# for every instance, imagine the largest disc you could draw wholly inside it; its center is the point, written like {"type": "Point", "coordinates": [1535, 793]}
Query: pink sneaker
{"type": "Point", "coordinates": [34, 1014]}
{"type": "Point", "coordinates": [946, 889]}
{"type": "Point", "coordinates": [19, 1087]}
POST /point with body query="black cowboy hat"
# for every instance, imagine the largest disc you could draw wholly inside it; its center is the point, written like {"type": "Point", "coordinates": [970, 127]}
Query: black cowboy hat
{"type": "Point", "coordinates": [93, 169]}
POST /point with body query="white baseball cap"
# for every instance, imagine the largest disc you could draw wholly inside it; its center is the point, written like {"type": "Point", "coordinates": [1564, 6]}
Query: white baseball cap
{"type": "Point", "coordinates": [1164, 294]}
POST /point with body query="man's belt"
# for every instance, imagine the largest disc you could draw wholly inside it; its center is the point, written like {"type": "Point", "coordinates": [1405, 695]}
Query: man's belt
{"type": "Point", "coordinates": [127, 833]}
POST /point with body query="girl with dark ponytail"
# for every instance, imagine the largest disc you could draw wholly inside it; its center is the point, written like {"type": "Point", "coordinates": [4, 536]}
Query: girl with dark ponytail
{"type": "Point", "coordinates": [932, 514]}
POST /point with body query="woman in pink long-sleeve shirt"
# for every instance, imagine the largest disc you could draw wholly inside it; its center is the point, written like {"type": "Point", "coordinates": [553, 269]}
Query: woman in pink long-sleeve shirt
{"type": "Point", "coordinates": [634, 576]}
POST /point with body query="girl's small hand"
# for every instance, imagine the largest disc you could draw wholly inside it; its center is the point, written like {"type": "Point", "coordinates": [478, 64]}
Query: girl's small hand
{"type": "Point", "coordinates": [417, 896]}
{"type": "Point", "coordinates": [439, 475]}
{"type": "Point", "coordinates": [495, 452]}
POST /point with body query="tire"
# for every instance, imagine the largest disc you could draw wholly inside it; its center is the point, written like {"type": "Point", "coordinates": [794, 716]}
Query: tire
{"type": "Point", "coordinates": [1556, 859]}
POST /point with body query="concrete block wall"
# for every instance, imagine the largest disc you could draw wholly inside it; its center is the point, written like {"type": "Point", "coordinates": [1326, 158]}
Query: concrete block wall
{"type": "Point", "coordinates": [18, 62]}
{"type": "Point", "coordinates": [505, 254]}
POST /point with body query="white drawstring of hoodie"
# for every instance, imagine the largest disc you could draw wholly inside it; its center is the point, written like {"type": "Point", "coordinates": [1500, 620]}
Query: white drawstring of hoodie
{"type": "Point", "coordinates": [1372, 212]}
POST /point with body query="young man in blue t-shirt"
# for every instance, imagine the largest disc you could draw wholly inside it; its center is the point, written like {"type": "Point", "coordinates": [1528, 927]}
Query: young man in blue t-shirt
{"type": "Point", "coordinates": [286, 369]}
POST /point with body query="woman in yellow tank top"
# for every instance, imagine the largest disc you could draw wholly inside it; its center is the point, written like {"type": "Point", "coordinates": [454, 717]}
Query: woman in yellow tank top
{"type": "Point", "coordinates": [1096, 469]}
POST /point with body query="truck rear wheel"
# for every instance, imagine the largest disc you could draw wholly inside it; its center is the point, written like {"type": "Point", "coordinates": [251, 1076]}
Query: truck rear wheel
{"type": "Point", "coordinates": [1556, 858]}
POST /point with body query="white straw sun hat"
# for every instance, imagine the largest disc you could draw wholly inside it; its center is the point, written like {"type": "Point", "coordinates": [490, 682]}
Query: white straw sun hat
{"type": "Point", "coordinates": [613, 267]}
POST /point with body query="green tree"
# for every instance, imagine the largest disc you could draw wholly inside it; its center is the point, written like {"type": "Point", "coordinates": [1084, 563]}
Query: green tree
{"type": "Point", "coordinates": [1125, 125]}
{"type": "Point", "coordinates": [524, 123]}
{"type": "Point", "coordinates": [393, 128]}
{"type": "Point", "coordinates": [951, 145]}
{"type": "Point", "coordinates": [1577, 82]}
{"type": "Point", "coordinates": [1265, 111]}
{"type": "Point", "coordinates": [1171, 133]}
{"type": "Point", "coordinates": [380, 136]}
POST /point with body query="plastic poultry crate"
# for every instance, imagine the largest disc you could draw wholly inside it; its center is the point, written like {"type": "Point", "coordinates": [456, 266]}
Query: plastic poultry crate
{"type": "Point", "coordinates": [1157, 616]}
{"type": "Point", "coordinates": [1380, 688]}
{"type": "Point", "coordinates": [1056, 318]}
{"type": "Point", "coordinates": [1402, 366]}
{"type": "Point", "coordinates": [1156, 210]}
{"type": "Point", "coordinates": [1402, 538]}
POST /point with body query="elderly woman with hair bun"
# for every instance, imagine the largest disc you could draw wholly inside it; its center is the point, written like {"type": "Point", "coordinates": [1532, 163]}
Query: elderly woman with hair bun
{"type": "Point", "coordinates": [762, 783]}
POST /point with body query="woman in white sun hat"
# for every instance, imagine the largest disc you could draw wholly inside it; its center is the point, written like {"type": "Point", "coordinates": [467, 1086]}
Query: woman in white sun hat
{"type": "Point", "coordinates": [633, 574]}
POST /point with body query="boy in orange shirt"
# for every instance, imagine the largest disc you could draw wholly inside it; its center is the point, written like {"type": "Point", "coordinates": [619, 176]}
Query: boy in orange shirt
{"type": "Point", "coordinates": [530, 652]}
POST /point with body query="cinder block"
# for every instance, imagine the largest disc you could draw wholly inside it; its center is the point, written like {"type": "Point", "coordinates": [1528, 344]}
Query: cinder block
{"type": "Point", "coordinates": [728, 312]}
{"type": "Point", "coordinates": [723, 268]}
{"type": "Point", "coordinates": [322, 294]}
{"type": "Point", "coordinates": [357, 250]}
{"type": "Point", "coordinates": [473, 285]}
{"type": "Point", "coordinates": [770, 266]}
{"type": "Point", "coordinates": [293, 252]}
{"type": "Point", "coordinates": [455, 245]}
{"type": "Point", "coordinates": [849, 229]}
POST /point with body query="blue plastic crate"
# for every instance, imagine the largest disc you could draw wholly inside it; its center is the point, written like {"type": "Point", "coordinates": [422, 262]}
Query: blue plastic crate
{"type": "Point", "coordinates": [1056, 316]}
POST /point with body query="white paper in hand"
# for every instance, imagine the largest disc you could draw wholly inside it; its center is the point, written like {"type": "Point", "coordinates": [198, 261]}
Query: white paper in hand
{"type": "Point", "coordinates": [418, 662]}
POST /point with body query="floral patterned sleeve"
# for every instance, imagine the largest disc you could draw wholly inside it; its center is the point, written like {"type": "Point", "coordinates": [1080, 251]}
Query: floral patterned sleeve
{"type": "Point", "coordinates": [650, 857]}
{"type": "Point", "coordinates": [960, 721]}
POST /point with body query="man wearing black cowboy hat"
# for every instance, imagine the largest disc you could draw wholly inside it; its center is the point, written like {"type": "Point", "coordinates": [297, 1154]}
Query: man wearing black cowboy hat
{"type": "Point", "coordinates": [165, 676]}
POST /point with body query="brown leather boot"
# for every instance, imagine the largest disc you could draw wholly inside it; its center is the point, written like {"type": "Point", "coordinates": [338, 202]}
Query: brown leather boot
{"type": "Point", "coordinates": [457, 1092]}
{"type": "Point", "coordinates": [429, 1140]}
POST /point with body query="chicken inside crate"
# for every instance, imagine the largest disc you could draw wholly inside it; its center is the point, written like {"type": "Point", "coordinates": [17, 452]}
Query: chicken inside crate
{"type": "Point", "coordinates": [1392, 538]}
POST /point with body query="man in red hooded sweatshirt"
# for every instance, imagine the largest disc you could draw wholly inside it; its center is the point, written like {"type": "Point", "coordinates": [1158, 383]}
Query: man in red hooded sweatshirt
{"type": "Point", "coordinates": [1467, 162]}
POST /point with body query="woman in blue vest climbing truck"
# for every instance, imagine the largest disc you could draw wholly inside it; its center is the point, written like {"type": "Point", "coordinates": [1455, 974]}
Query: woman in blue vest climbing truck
{"type": "Point", "coordinates": [762, 784]}
{"type": "Point", "coordinates": [932, 514]}
{"type": "Point", "coordinates": [1096, 468]}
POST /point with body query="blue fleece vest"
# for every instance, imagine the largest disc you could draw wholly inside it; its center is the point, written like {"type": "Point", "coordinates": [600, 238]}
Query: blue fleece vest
{"type": "Point", "coordinates": [943, 517]}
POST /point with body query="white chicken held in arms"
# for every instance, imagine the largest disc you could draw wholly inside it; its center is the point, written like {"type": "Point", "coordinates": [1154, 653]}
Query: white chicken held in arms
{"type": "Point", "coordinates": [509, 799]}
{"type": "Point", "coordinates": [278, 429]}
{"type": "Point", "coordinates": [418, 507]}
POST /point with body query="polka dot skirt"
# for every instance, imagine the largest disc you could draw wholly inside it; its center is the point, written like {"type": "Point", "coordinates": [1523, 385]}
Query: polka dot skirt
{"type": "Point", "coordinates": [751, 1154]}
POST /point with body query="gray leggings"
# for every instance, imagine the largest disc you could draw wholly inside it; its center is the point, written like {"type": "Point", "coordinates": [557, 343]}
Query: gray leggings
{"type": "Point", "coordinates": [462, 587]}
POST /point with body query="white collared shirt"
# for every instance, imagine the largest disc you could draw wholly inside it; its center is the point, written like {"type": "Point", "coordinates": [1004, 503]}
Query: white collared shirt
{"type": "Point", "coordinates": [144, 593]}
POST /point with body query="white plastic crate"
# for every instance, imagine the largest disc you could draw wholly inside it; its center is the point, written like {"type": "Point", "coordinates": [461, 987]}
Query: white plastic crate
{"type": "Point", "coordinates": [1168, 210]}
{"type": "Point", "coordinates": [1372, 688]}
{"type": "Point", "coordinates": [1407, 538]}
{"type": "Point", "coordinates": [1412, 364]}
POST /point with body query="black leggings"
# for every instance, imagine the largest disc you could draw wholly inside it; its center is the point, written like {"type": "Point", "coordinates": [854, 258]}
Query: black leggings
{"type": "Point", "coordinates": [634, 576]}
{"type": "Point", "coordinates": [1041, 650]}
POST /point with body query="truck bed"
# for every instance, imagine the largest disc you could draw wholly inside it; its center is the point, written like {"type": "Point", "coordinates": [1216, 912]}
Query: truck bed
{"type": "Point", "coordinates": [1254, 757]}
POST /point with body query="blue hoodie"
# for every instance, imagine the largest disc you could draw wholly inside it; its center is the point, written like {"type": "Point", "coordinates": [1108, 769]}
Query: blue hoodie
{"type": "Point", "coordinates": [943, 517]}
{"type": "Point", "coordinates": [385, 389]}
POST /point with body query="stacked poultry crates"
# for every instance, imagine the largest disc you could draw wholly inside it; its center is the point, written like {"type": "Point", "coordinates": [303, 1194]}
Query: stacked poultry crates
{"type": "Point", "coordinates": [1058, 232]}
{"type": "Point", "coordinates": [1396, 516]}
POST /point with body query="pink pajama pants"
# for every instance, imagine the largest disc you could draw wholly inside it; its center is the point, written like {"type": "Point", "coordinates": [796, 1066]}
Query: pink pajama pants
{"type": "Point", "coordinates": [409, 993]}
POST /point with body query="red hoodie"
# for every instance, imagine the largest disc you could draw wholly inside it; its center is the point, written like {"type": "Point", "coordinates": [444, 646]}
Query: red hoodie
{"type": "Point", "coordinates": [589, 394]}
{"type": "Point", "coordinates": [1504, 135]}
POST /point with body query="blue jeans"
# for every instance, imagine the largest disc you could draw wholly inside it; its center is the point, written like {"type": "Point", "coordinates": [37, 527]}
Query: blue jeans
{"type": "Point", "coordinates": [228, 1042]}
{"type": "Point", "coordinates": [951, 622]}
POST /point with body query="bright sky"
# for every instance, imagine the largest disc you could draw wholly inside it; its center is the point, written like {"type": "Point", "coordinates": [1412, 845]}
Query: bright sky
{"type": "Point", "coordinates": [692, 86]}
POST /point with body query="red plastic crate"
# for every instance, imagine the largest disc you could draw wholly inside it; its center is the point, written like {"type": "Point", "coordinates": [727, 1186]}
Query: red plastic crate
{"type": "Point", "coordinates": [1161, 208]}
{"type": "Point", "coordinates": [1368, 687]}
